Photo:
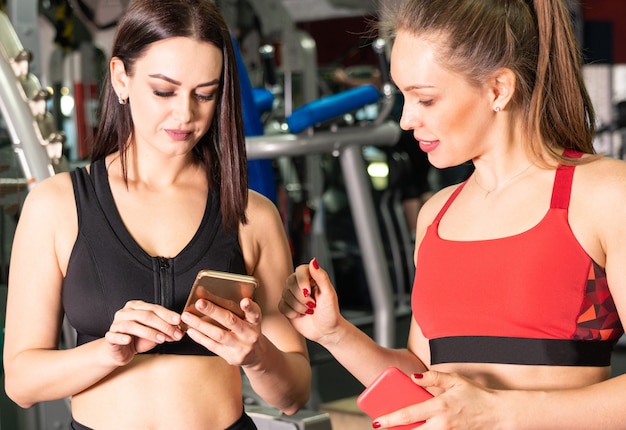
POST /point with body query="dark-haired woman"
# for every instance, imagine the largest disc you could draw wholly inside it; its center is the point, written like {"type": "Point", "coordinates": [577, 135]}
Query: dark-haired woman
{"type": "Point", "coordinates": [116, 246]}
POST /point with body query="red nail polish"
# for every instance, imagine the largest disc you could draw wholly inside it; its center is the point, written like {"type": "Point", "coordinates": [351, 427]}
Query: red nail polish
{"type": "Point", "coordinates": [309, 311]}
{"type": "Point", "coordinates": [418, 375]}
{"type": "Point", "coordinates": [376, 425]}
{"type": "Point", "coordinates": [305, 292]}
{"type": "Point", "coordinates": [311, 305]}
{"type": "Point", "coordinates": [316, 266]}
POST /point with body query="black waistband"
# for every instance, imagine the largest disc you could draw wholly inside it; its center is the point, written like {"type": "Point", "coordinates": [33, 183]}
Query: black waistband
{"type": "Point", "coordinates": [514, 350]}
{"type": "Point", "coordinates": [74, 425]}
{"type": "Point", "coordinates": [243, 423]}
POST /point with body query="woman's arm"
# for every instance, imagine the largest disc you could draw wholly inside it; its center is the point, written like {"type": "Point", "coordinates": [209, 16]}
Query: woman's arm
{"type": "Point", "coordinates": [324, 324]}
{"type": "Point", "coordinates": [36, 370]}
{"type": "Point", "coordinates": [281, 373]}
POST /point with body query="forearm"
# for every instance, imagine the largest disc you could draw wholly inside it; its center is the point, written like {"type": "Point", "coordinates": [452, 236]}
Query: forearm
{"type": "Point", "coordinates": [349, 345]}
{"type": "Point", "coordinates": [598, 406]}
{"type": "Point", "coordinates": [282, 379]}
{"type": "Point", "coordinates": [35, 376]}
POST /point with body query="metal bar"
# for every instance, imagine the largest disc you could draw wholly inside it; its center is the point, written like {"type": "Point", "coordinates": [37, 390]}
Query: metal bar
{"type": "Point", "coordinates": [326, 142]}
{"type": "Point", "coordinates": [370, 242]}
{"type": "Point", "coordinates": [347, 144]}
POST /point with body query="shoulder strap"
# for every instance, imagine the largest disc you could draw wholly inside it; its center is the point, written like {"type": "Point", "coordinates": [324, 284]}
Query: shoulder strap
{"type": "Point", "coordinates": [79, 177]}
{"type": "Point", "coordinates": [445, 207]}
{"type": "Point", "coordinates": [563, 182]}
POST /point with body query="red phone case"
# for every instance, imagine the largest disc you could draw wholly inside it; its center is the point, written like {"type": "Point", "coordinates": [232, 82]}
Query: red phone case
{"type": "Point", "coordinates": [392, 390]}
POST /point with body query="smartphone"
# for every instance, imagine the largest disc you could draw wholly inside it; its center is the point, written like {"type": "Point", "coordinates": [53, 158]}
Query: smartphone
{"type": "Point", "coordinates": [222, 288]}
{"type": "Point", "coordinates": [391, 390]}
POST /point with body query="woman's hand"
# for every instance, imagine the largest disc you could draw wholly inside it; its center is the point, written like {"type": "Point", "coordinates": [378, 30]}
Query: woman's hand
{"type": "Point", "coordinates": [461, 404]}
{"type": "Point", "coordinates": [138, 327]}
{"type": "Point", "coordinates": [237, 340]}
{"type": "Point", "coordinates": [310, 302]}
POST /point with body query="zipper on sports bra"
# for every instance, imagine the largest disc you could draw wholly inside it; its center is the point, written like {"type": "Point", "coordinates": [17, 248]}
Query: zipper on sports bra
{"type": "Point", "coordinates": [165, 286]}
{"type": "Point", "coordinates": [165, 294]}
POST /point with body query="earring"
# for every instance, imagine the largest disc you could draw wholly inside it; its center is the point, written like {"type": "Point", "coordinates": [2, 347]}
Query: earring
{"type": "Point", "coordinates": [496, 109]}
{"type": "Point", "coordinates": [121, 100]}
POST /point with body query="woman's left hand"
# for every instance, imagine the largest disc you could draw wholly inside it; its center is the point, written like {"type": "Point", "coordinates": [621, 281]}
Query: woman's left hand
{"type": "Point", "coordinates": [237, 341]}
{"type": "Point", "coordinates": [460, 404]}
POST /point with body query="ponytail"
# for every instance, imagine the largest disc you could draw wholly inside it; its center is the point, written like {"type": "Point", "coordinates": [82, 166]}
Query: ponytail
{"type": "Point", "coordinates": [561, 114]}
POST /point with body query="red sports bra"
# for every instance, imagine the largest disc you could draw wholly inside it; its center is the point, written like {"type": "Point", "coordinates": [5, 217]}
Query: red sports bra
{"type": "Point", "coordinates": [533, 298]}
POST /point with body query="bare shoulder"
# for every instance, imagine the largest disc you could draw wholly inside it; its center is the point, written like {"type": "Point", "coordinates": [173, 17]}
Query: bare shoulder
{"type": "Point", "coordinates": [601, 179]}
{"type": "Point", "coordinates": [264, 244]}
{"type": "Point", "coordinates": [260, 210]}
{"type": "Point", "coordinates": [598, 199]}
{"type": "Point", "coordinates": [264, 222]}
{"type": "Point", "coordinates": [51, 195]}
{"type": "Point", "coordinates": [48, 219]}
{"type": "Point", "coordinates": [50, 210]}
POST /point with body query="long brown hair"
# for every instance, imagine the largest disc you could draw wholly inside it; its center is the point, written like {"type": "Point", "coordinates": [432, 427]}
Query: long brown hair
{"type": "Point", "coordinates": [222, 148]}
{"type": "Point", "coordinates": [535, 39]}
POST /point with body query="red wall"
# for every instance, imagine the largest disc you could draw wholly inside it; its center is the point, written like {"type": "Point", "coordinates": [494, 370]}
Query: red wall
{"type": "Point", "coordinates": [341, 41]}
{"type": "Point", "coordinates": [613, 11]}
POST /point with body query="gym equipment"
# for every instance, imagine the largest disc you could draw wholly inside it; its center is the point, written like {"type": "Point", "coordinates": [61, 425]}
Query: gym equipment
{"type": "Point", "coordinates": [302, 139]}
{"type": "Point", "coordinates": [347, 143]}
{"type": "Point", "coordinates": [270, 419]}
{"type": "Point", "coordinates": [37, 144]}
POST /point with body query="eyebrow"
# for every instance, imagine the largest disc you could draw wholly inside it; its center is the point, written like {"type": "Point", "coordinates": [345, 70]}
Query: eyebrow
{"type": "Point", "coordinates": [411, 87]}
{"type": "Point", "coordinates": [175, 82]}
{"type": "Point", "coordinates": [418, 87]}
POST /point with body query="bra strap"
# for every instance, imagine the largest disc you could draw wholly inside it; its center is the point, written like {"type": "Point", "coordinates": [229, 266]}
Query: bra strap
{"type": "Point", "coordinates": [563, 182]}
{"type": "Point", "coordinates": [449, 202]}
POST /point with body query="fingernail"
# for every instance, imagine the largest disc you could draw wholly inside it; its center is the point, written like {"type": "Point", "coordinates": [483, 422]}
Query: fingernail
{"type": "Point", "coordinates": [201, 305]}
{"type": "Point", "coordinates": [305, 292]}
{"type": "Point", "coordinates": [316, 266]}
{"type": "Point", "coordinates": [376, 425]}
{"type": "Point", "coordinates": [309, 311]}
{"type": "Point", "coordinates": [418, 375]}
{"type": "Point", "coordinates": [311, 305]}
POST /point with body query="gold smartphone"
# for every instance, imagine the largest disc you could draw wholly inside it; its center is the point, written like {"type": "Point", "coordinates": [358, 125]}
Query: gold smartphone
{"type": "Point", "coordinates": [222, 288]}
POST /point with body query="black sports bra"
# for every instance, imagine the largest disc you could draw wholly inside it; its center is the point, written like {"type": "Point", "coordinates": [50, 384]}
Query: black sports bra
{"type": "Point", "coordinates": [107, 267]}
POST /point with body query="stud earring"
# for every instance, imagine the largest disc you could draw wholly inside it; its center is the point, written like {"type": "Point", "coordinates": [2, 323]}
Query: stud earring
{"type": "Point", "coordinates": [121, 100]}
{"type": "Point", "coordinates": [496, 109]}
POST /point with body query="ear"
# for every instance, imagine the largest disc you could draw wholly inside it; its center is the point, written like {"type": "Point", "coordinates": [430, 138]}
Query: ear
{"type": "Point", "coordinates": [503, 85]}
{"type": "Point", "coordinates": [119, 78]}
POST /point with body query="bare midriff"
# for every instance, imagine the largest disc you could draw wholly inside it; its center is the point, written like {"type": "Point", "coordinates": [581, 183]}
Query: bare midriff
{"type": "Point", "coordinates": [525, 377]}
{"type": "Point", "coordinates": [163, 392]}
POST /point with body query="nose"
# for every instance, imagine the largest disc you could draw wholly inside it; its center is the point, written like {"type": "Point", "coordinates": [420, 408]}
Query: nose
{"type": "Point", "coordinates": [409, 119]}
{"type": "Point", "coordinates": [184, 109]}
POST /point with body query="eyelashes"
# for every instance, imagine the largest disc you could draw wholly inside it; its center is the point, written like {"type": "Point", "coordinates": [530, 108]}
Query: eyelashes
{"type": "Point", "coordinates": [200, 97]}
{"type": "Point", "coordinates": [204, 98]}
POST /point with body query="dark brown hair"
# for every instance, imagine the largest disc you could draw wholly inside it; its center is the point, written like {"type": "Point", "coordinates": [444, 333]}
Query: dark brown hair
{"type": "Point", "coordinates": [222, 148]}
{"type": "Point", "coordinates": [534, 39]}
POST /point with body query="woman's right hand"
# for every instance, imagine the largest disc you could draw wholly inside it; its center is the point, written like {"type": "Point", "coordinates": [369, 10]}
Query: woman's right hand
{"type": "Point", "coordinates": [310, 302]}
{"type": "Point", "coordinates": [138, 327]}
